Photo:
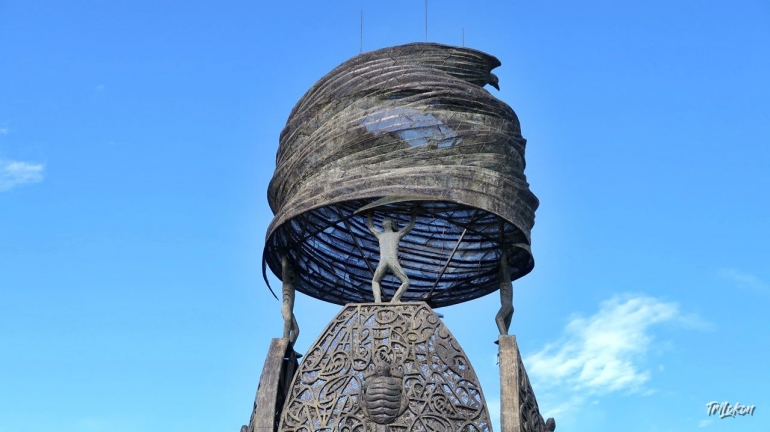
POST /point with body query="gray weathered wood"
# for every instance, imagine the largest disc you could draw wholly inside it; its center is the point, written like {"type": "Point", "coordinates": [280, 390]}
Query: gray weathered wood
{"type": "Point", "coordinates": [509, 384]}
{"type": "Point", "coordinates": [406, 121]}
{"type": "Point", "coordinates": [518, 407]}
{"type": "Point", "coordinates": [266, 400]}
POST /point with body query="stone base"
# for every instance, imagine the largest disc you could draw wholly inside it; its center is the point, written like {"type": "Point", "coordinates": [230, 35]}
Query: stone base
{"type": "Point", "coordinates": [385, 367]}
{"type": "Point", "coordinates": [280, 365]}
{"type": "Point", "coordinates": [518, 407]}
{"type": "Point", "coordinates": [388, 367]}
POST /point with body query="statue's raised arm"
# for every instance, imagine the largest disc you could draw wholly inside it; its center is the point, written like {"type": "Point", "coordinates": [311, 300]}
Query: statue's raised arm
{"type": "Point", "coordinates": [370, 225]}
{"type": "Point", "coordinates": [403, 231]}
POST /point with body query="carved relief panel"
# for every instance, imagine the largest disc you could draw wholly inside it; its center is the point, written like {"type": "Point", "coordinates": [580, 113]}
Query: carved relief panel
{"type": "Point", "coordinates": [385, 367]}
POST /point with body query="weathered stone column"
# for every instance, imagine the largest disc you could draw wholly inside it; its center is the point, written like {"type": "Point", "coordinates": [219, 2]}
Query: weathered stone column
{"type": "Point", "coordinates": [280, 365]}
{"type": "Point", "coordinates": [518, 407]}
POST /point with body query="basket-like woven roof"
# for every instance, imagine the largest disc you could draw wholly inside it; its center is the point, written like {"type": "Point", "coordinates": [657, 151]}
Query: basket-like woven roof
{"type": "Point", "coordinates": [406, 127]}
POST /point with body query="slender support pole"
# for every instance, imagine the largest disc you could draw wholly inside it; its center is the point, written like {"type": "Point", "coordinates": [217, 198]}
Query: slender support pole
{"type": "Point", "coordinates": [355, 240]}
{"type": "Point", "coordinates": [441, 273]}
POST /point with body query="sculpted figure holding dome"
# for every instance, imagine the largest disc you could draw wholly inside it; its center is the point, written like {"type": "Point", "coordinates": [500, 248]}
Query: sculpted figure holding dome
{"type": "Point", "coordinates": [389, 239]}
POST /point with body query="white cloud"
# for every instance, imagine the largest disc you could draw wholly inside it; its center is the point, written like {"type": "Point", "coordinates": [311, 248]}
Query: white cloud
{"type": "Point", "coordinates": [704, 423]}
{"type": "Point", "coordinates": [16, 173]}
{"type": "Point", "coordinates": [4, 131]}
{"type": "Point", "coordinates": [744, 280]}
{"type": "Point", "coordinates": [604, 353]}
{"type": "Point", "coordinates": [562, 408]}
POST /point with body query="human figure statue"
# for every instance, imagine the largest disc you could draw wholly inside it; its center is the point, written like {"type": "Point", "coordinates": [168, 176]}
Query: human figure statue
{"type": "Point", "coordinates": [503, 318]}
{"type": "Point", "coordinates": [289, 278]}
{"type": "Point", "coordinates": [389, 239]}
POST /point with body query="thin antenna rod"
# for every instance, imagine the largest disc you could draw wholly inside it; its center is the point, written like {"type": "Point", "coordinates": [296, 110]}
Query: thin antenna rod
{"type": "Point", "coordinates": [361, 41]}
{"type": "Point", "coordinates": [463, 37]}
{"type": "Point", "coordinates": [426, 20]}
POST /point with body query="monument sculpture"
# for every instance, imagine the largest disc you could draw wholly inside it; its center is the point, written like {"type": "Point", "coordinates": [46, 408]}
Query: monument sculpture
{"type": "Point", "coordinates": [388, 239]}
{"type": "Point", "coordinates": [405, 136]}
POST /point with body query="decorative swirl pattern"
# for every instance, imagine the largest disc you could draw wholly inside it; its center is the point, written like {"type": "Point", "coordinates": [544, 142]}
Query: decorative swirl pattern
{"type": "Point", "coordinates": [443, 391]}
{"type": "Point", "coordinates": [531, 420]}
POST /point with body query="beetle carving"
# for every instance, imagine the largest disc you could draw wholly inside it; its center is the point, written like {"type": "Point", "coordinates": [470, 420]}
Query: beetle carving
{"type": "Point", "coordinates": [383, 398]}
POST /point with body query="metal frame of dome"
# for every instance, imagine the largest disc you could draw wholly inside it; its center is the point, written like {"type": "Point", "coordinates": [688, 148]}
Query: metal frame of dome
{"type": "Point", "coordinates": [390, 131]}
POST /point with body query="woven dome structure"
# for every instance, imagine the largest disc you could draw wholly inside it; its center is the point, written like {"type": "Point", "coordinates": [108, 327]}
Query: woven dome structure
{"type": "Point", "coordinates": [390, 133]}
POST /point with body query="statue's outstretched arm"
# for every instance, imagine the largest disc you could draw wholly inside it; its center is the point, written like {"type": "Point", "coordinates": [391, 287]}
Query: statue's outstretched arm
{"type": "Point", "coordinates": [409, 227]}
{"type": "Point", "coordinates": [370, 225]}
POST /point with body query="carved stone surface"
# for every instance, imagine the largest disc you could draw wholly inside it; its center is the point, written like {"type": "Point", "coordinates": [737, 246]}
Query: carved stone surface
{"type": "Point", "coordinates": [518, 407]}
{"type": "Point", "coordinates": [280, 365]}
{"type": "Point", "coordinates": [373, 356]}
{"type": "Point", "coordinates": [383, 398]}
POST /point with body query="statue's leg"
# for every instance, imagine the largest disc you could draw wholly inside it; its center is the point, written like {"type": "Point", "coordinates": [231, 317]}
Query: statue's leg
{"type": "Point", "coordinates": [503, 318]}
{"type": "Point", "coordinates": [399, 272]}
{"type": "Point", "coordinates": [294, 329]}
{"type": "Point", "coordinates": [287, 319]}
{"type": "Point", "coordinates": [378, 275]}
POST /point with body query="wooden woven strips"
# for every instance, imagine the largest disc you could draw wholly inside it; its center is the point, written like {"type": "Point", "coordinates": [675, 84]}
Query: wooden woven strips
{"type": "Point", "coordinates": [411, 121]}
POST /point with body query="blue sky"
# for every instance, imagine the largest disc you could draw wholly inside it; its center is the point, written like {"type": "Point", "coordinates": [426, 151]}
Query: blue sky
{"type": "Point", "coordinates": [137, 140]}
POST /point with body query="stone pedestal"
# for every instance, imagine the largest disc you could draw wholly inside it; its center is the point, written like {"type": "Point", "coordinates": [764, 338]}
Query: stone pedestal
{"type": "Point", "coordinates": [518, 407]}
{"type": "Point", "coordinates": [280, 365]}
{"type": "Point", "coordinates": [385, 367]}
{"type": "Point", "coordinates": [388, 368]}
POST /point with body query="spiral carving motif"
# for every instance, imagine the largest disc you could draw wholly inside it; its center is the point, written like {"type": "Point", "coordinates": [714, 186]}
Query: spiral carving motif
{"type": "Point", "coordinates": [427, 383]}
